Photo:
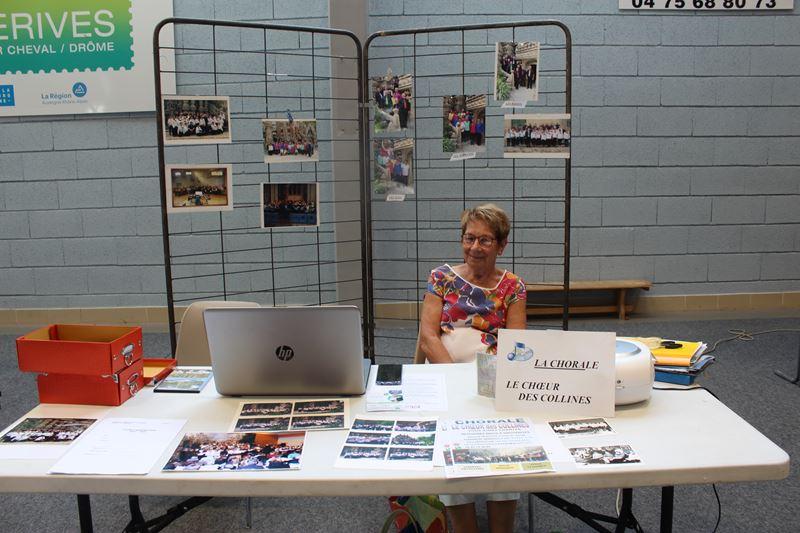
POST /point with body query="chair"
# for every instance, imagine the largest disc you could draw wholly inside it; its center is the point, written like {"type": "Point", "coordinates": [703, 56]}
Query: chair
{"type": "Point", "coordinates": [192, 349]}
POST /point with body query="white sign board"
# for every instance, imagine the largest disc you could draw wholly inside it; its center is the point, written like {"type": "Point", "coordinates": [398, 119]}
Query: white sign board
{"type": "Point", "coordinates": [556, 373]}
{"type": "Point", "coordinates": [93, 56]}
{"type": "Point", "coordinates": [707, 5]}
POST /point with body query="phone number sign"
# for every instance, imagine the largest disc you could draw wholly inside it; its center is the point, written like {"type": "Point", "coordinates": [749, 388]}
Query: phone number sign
{"type": "Point", "coordinates": [707, 5]}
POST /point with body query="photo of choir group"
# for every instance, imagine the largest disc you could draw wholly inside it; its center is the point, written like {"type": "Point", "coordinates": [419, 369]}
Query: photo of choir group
{"type": "Point", "coordinates": [604, 455]}
{"type": "Point", "coordinates": [47, 430]}
{"type": "Point", "coordinates": [199, 188]}
{"type": "Point", "coordinates": [289, 204]}
{"type": "Point", "coordinates": [464, 126]}
{"type": "Point", "coordinates": [291, 415]}
{"type": "Point", "coordinates": [290, 140]}
{"type": "Point", "coordinates": [208, 187]}
{"type": "Point", "coordinates": [392, 96]}
{"type": "Point", "coordinates": [393, 166]}
{"type": "Point", "coordinates": [203, 452]}
{"type": "Point", "coordinates": [196, 119]}
{"type": "Point", "coordinates": [539, 136]}
{"type": "Point", "coordinates": [588, 426]}
{"type": "Point", "coordinates": [391, 440]}
{"type": "Point", "coordinates": [516, 72]}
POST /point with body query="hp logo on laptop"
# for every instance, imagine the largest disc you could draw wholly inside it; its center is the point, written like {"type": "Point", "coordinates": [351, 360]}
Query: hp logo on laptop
{"type": "Point", "coordinates": [284, 353]}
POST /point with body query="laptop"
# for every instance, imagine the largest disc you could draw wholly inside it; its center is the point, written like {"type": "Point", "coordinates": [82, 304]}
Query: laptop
{"type": "Point", "coordinates": [288, 351]}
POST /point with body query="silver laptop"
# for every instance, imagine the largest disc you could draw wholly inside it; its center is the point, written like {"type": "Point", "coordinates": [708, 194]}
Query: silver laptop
{"type": "Point", "coordinates": [268, 351]}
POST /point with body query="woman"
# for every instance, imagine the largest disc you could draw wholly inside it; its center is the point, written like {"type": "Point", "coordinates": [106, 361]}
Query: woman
{"type": "Point", "coordinates": [464, 307]}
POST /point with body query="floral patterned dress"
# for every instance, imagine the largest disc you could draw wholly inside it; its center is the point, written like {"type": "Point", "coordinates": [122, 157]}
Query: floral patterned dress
{"type": "Point", "coordinates": [469, 306]}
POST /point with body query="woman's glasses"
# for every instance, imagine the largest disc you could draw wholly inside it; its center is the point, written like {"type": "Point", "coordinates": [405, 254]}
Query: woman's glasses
{"type": "Point", "coordinates": [484, 241]}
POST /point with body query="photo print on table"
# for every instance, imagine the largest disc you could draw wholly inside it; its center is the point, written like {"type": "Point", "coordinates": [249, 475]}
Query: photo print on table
{"type": "Point", "coordinates": [297, 415]}
{"type": "Point", "coordinates": [290, 141]}
{"type": "Point", "coordinates": [199, 188]}
{"type": "Point", "coordinates": [393, 172]}
{"type": "Point", "coordinates": [604, 455]}
{"type": "Point", "coordinates": [289, 205]}
{"type": "Point", "coordinates": [209, 452]}
{"type": "Point", "coordinates": [585, 426]}
{"type": "Point", "coordinates": [334, 421]}
{"type": "Point", "coordinates": [46, 430]}
{"type": "Point", "coordinates": [393, 104]}
{"type": "Point", "coordinates": [463, 125]}
{"type": "Point", "coordinates": [516, 73]}
{"type": "Point", "coordinates": [537, 136]}
{"type": "Point", "coordinates": [196, 119]}
{"type": "Point", "coordinates": [266, 409]}
{"type": "Point", "coordinates": [274, 423]}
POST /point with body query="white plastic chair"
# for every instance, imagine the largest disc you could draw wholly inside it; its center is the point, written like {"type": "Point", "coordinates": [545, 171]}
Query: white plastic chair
{"type": "Point", "coordinates": [192, 349]}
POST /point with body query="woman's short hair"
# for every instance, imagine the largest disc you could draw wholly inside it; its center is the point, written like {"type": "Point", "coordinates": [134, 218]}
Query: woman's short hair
{"type": "Point", "coordinates": [492, 216]}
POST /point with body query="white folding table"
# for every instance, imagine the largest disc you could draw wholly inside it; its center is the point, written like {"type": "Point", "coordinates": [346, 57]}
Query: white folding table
{"type": "Point", "coordinates": [683, 437]}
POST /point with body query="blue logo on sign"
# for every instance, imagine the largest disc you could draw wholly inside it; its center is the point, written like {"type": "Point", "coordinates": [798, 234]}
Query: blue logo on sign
{"type": "Point", "coordinates": [6, 96]}
{"type": "Point", "coordinates": [79, 89]}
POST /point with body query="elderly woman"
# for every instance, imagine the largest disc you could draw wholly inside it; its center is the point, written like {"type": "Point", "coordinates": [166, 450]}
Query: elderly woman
{"type": "Point", "coordinates": [464, 307]}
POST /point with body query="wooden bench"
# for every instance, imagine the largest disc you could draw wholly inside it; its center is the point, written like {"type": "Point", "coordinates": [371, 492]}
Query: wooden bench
{"type": "Point", "coordinates": [619, 286]}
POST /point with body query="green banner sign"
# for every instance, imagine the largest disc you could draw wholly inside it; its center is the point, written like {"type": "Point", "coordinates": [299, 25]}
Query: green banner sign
{"type": "Point", "coordinates": [58, 35]}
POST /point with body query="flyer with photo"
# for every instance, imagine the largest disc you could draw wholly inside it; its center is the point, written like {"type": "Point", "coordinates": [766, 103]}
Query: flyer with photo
{"type": "Point", "coordinates": [297, 415]}
{"type": "Point", "coordinates": [388, 443]}
{"type": "Point", "coordinates": [589, 456]}
{"type": "Point", "coordinates": [418, 392]}
{"type": "Point", "coordinates": [475, 447]}
{"type": "Point", "coordinates": [576, 428]}
{"type": "Point", "coordinates": [184, 380]}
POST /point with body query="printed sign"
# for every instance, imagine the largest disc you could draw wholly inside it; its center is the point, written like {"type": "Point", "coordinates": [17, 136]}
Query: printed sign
{"type": "Point", "coordinates": [707, 5]}
{"type": "Point", "coordinates": [93, 56]}
{"type": "Point", "coordinates": [560, 373]}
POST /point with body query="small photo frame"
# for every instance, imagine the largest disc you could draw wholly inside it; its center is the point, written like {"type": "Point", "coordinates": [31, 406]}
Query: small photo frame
{"type": "Point", "coordinates": [537, 136]}
{"type": "Point", "coordinates": [196, 119]}
{"type": "Point", "coordinates": [192, 188]}
{"type": "Point", "coordinates": [392, 98]}
{"type": "Point", "coordinates": [393, 166]}
{"type": "Point", "coordinates": [516, 72]}
{"type": "Point", "coordinates": [464, 128]}
{"type": "Point", "coordinates": [289, 205]}
{"type": "Point", "coordinates": [290, 141]}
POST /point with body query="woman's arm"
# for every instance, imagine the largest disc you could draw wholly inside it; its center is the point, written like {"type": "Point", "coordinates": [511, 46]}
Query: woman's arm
{"type": "Point", "coordinates": [516, 318]}
{"type": "Point", "coordinates": [430, 331]}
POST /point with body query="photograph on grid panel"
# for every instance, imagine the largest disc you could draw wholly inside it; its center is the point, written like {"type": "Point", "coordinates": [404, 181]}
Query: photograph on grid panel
{"type": "Point", "coordinates": [516, 73]}
{"type": "Point", "coordinates": [289, 204]}
{"type": "Point", "coordinates": [537, 136]}
{"type": "Point", "coordinates": [192, 188]}
{"type": "Point", "coordinates": [464, 123]}
{"type": "Point", "coordinates": [290, 140]}
{"type": "Point", "coordinates": [196, 119]}
{"type": "Point", "coordinates": [393, 171]}
{"type": "Point", "coordinates": [393, 104]}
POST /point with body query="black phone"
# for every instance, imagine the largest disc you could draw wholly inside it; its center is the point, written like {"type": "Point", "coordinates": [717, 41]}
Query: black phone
{"type": "Point", "coordinates": [389, 375]}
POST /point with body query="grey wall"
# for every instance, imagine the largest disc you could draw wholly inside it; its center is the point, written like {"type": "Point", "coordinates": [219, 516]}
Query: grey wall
{"type": "Point", "coordinates": [686, 157]}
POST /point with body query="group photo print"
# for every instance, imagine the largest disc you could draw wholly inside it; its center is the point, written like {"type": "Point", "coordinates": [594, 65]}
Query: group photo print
{"type": "Point", "coordinates": [196, 119]}
{"type": "Point", "coordinates": [290, 140]}
{"type": "Point", "coordinates": [464, 123]}
{"type": "Point", "coordinates": [536, 136]}
{"type": "Point", "coordinates": [393, 166]}
{"type": "Point", "coordinates": [237, 451]}
{"type": "Point", "coordinates": [199, 188]}
{"type": "Point", "coordinates": [392, 98]}
{"type": "Point", "coordinates": [516, 71]}
{"type": "Point", "coordinates": [289, 204]}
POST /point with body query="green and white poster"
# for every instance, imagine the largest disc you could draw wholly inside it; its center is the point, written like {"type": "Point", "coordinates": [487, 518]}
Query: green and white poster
{"type": "Point", "coordinates": [81, 56]}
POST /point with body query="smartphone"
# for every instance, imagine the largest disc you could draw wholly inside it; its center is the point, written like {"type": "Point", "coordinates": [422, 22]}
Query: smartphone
{"type": "Point", "coordinates": [389, 375]}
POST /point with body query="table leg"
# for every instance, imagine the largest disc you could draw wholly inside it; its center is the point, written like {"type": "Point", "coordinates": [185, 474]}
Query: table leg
{"type": "Point", "coordinates": [85, 513]}
{"type": "Point", "coordinates": [667, 496]}
{"type": "Point", "coordinates": [530, 512]}
{"type": "Point", "coordinates": [625, 511]}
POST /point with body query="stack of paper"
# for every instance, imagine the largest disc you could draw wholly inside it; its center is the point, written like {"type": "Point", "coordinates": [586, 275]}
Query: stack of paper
{"type": "Point", "coordinates": [683, 375]}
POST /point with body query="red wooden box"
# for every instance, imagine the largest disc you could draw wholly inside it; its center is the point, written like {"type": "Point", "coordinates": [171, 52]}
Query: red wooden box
{"type": "Point", "coordinates": [113, 389]}
{"type": "Point", "coordinates": [157, 369]}
{"type": "Point", "coordinates": [80, 349]}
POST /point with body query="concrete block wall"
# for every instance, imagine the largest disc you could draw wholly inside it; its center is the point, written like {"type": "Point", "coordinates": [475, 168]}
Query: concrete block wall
{"type": "Point", "coordinates": [686, 156]}
{"type": "Point", "coordinates": [686, 167]}
{"type": "Point", "coordinates": [80, 196]}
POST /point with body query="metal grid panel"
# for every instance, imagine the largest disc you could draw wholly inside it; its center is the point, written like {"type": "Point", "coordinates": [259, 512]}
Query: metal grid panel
{"type": "Point", "coordinates": [409, 238]}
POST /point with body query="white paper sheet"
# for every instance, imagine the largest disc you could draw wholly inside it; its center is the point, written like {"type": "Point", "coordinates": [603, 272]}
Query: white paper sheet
{"type": "Point", "coordinates": [418, 392]}
{"type": "Point", "coordinates": [119, 446]}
